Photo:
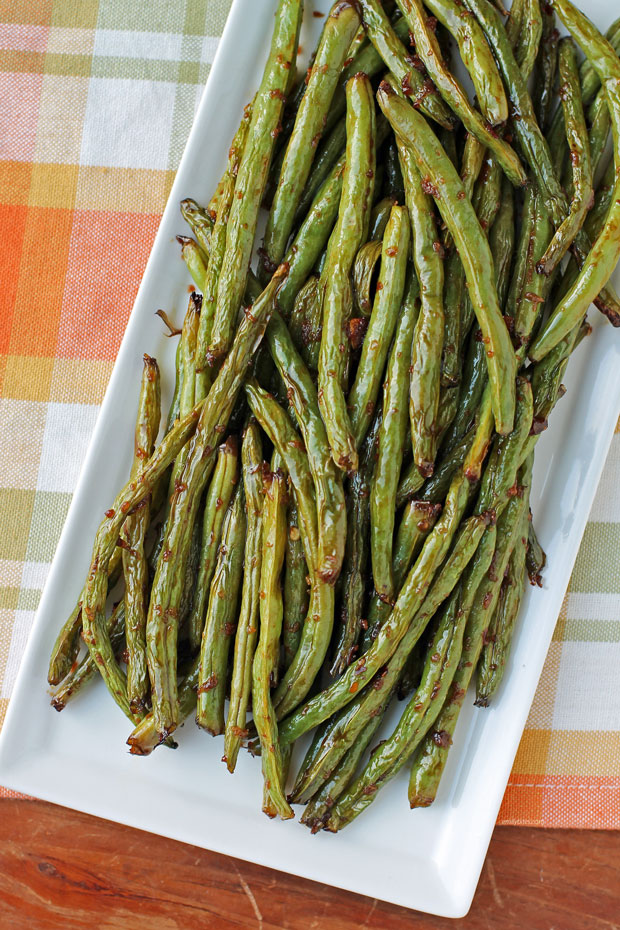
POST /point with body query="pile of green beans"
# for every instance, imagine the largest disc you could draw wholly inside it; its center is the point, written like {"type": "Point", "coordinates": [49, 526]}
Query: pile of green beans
{"type": "Point", "coordinates": [338, 514]}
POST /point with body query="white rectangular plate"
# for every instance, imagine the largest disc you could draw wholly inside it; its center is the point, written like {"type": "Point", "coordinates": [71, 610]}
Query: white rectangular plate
{"type": "Point", "coordinates": [426, 859]}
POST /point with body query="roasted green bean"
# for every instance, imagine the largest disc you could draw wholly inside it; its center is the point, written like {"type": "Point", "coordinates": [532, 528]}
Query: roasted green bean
{"type": "Point", "coordinates": [247, 626]}
{"type": "Point", "coordinates": [383, 319]}
{"type": "Point", "coordinates": [221, 618]}
{"type": "Point", "coordinates": [440, 178]}
{"type": "Point", "coordinates": [350, 231]}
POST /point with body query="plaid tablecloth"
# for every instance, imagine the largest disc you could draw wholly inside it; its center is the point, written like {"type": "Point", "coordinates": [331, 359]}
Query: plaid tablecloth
{"type": "Point", "coordinates": [96, 101]}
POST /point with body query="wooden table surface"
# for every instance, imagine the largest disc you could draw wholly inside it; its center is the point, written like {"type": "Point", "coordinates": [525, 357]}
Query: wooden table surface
{"type": "Point", "coordinates": [61, 869]}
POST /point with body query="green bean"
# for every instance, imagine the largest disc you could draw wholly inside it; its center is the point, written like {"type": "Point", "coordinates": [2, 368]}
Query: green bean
{"type": "Point", "coordinates": [394, 179]}
{"type": "Point", "coordinates": [391, 755]}
{"type": "Point", "coordinates": [604, 254]}
{"type": "Point", "coordinates": [277, 424]}
{"type": "Point", "coordinates": [501, 242]}
{"type": "Point", "coordinates": [216, 504]}
{"type": "Point", "coordinates": [195, 259]}
{"type": "Point", "coordinates": [305, 324]}
{"type": "Point", "coordinates": [145, 737]}
{"type": "Point", "coordinates": [363, 274]}
{"type": "Point", "coordinates": [247, 626]}
{"type": "Point", "coordinates": [529, 38]}
{"type": "Point", "coordinates": [188, 591]}
{"type": "Point", "coordinates": [329, 153]}
{"type": "Point", "coordinates": [496, 644]}
{"type": "Point", "coordinates": [349, 721]}
{"type": "Point", "coordinates": [476, 454]}
{"type": "Point", "coordinates": [317, 810]}
{"type": "Point", "coordinates": [453, 296]}
{"type": "Point", "coordinates": [340, 27]}
{"type": "Point", "coordinates": [267, 651]}
{"type": "Point", "coordinates": [269, 807]}
{"type": "Point", "coordinates": [535, 287]}
{"type": "Point", "coordinates": [200, 223]}
{"type": "Point", "coordinates": [539, 154]}
{"type": "Point", "coordinates": [133, 532]}
{"type": "Point", "coordinates": [431, 757]}
{"type": "Point", "coordinates": [452, 92]}
{"type": "Point", "coordinates": [526, 130]}
{"type": "Point", "coordinates": [350, 231]}
{"type": "Point", "coordinates": [409, 601]}
{"type": "Point", "coordinates": [85, 670]}
{"type": "Point", "coordinates": [313, 646]}
{"type": "Point", "coordinates": [411, 676]}
{"type": "Point", "coordinates": [368, 61]}
{"type": "Point", "coordinates": [388, 45]}
{"type": "Point", "coordinates": [514, 22]}
{"type": "Point", "coordinates": [391, 446]}
{"type": "Point", "coordinates": [291, 107]}
{"type": "Point", "coordinates": [448, 409]}
{"type": "Point", "coordinates": [426, 354]}
{"type": "Point", "coordinates": [95, 634]}
{"type": "Point", "coordinates": [522, 254]}
{"type": "Point", "coordinates": [379, 219]}
{"type": "Point", "coordinates": [590, 81]}
{"type": "Point", "coordinates": [218, 248]}
{"type": "Point", "coordinates": [410, 483]}
{"type": "Point", "coordinates": [599, 121]}
{"type": "Point", "coordinates": [383, 319]}
{"type": "Point", "coordinates": [314, 232]}
{"type": "Point", "coordinates": [471, 163]}
{"type": "Point", "coordinates": [472, 387]}
{"type": "Point", "coordinates": [547, 382]}
{"type": "Point", "coordinates": [252, 173]}
{"type": "Point", "coordinates": [175, 403]}
{"type": "Point", "coordinates": [187, 397]}
{"type": "Point", "coordinates": [602, 201]}
{"type": "Point", "coordinates": [547, 64]}
{"type": "Point", "coordinates": [68, 641]}
{"type": "Point", "coordinates": [436, 487]}
{"type": "Point", "coordinates": [221, 617]}
{"type": "Point", "coordinates": [440, 177]}
{"type": "Point", "coordinates": [353, 579]}
{"type": "Point", "coordinates": [310, 755]}
{"type": "Point", "coordinates": [416, 522]}
{"type": "Point", "coordinates": [67, 644]}
{"type": "Point", "coordinates": [535, 557]}
{"type": "Point", "coordinates": [343, 729]}
{"type": "Point", "coordinates": [358, 43]}
{"type": "Point", "coordinates": [577, 135]}
{"type": "Point", "coordinates": [501, 473]}
{"type": "Point", "coordinates": [312, 237]}
{"type": "Point", "coordinates": [487, 194]}
{"type": "Point", "coordinates": [477, 58]}
{"type": "Point", "coordinates": [183, 590]}
{"type": "Point", "coordinates": [295, 591]}
{"type": "Point", "coordinates": [318, 626]}
{"type": "Point", "coordinates": [302, 395]}
{"type": "Point", "coordinates": [163, 609]}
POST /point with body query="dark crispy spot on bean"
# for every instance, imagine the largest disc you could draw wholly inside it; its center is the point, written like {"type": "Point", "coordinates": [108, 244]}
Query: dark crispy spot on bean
{"type": "Point", "coordinates": [208, 685]}
{"type": "Point", "coordinates": [356, 330]}
{"type": "Point", "coordinates": [442, 738]}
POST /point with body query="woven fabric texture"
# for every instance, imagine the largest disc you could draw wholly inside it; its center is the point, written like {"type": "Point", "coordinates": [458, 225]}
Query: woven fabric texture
{"type": "Point", "coordinates": [96, 101]}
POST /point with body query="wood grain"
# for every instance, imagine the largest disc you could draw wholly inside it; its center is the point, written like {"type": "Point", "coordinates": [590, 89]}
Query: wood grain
{"type": "Point", "coordinates": [60, 869]}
